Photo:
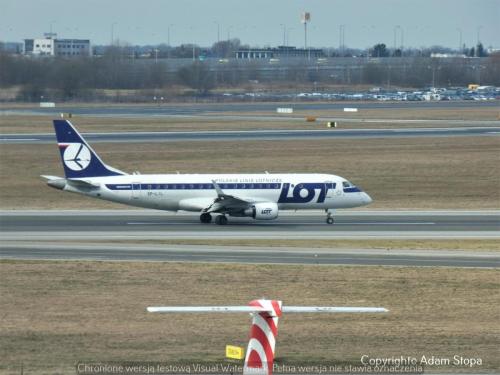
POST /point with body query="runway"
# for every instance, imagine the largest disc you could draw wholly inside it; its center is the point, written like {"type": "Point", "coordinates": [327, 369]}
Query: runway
{"type": "Point", "coordinates": [129, 137]}
{"type": "Point", "coordinates": [248, 255]}
{"type": "Point", "coordinates": [129, 224]}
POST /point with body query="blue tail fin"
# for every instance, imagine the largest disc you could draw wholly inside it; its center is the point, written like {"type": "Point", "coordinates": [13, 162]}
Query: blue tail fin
{"type": "Point", "coordinates": [78, 158]}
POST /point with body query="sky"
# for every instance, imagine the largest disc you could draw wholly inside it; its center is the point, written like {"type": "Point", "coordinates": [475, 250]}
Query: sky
{"type": "Point", "coordinates": [417, 23]}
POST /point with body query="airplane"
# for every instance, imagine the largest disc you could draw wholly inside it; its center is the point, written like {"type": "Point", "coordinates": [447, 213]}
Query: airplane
{"type": "Point", "coordinates": [258, 196]}
{"type": "Point", "coordinates": [265, 313]}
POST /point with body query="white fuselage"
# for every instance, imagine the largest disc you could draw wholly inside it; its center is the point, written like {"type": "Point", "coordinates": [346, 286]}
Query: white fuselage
{"type": "Point", "coordinates": [194, 192]}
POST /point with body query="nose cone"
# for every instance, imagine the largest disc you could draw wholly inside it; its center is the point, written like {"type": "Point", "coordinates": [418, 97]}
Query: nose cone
{"type": "Point", "coordinates": [366, 198]}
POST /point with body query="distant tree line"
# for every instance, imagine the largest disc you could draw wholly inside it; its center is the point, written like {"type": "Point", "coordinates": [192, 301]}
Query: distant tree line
{"type": "Point", "coordinates": [227, 49]}
{"type": "Point", "coordinates": [91, 78]}
{"type": "Point", "coordinates": [222, 49]}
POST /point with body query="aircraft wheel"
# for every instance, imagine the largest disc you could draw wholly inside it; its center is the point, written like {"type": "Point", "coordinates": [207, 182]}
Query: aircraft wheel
{"type": "Point", "coordinates": [205, 218]}
{"type": "Point", "coordinates": [329, 220]}
{"type": "Point", "coordinates": [221, 220]}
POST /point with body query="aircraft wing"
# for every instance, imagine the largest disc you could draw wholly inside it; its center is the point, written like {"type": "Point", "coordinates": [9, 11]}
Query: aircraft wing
{"type": "Point", "coordinates": [226, 202]}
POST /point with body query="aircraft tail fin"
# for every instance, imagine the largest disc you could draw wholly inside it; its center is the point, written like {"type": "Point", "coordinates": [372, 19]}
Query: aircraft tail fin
{"type": "Point", "coordinates": [78, 158]}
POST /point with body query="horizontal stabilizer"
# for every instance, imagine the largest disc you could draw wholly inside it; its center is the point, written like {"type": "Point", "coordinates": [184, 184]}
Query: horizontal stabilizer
{"type": "Point", "coordinates": [82, 183]}
{"type": "Point", "coordinates": [49, 178]}
{"type": "Point", "coordinates": [55, 181]}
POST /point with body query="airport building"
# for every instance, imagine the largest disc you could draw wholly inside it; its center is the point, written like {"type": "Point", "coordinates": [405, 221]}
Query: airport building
{"type": "Point", "coordinates": [280, 52]}
{"type": "Point", "coordinates": [57, 47]}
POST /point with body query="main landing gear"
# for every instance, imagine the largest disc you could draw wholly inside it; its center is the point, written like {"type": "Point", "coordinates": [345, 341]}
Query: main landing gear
{"type": "Point", "coordinates": [205, 218]}
{"type": "Point", "coordinates": [329, 217]}
{"type": "Point", "coordinates": [221, 220]}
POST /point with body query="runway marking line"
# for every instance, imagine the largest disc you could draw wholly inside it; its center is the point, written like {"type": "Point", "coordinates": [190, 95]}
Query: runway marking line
{"type": "Point", "coordinates": [278, 224]}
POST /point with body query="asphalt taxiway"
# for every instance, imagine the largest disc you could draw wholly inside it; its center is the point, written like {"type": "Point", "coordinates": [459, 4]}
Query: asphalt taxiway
{"type": "Point", "coordinates": [241, 135]}
{"type": "Point", "coordinates": [249, 255]}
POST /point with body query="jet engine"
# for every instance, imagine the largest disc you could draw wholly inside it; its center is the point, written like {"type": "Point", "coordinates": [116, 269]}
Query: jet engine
{"type": "Point", "coordinates": [263, 211]}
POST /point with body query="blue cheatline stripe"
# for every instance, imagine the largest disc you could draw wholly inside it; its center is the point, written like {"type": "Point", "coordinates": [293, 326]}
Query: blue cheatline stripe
{"type": "Point", "coordinates": [188, 186]}
{"type": "Point", "coordinates": [354, 189]}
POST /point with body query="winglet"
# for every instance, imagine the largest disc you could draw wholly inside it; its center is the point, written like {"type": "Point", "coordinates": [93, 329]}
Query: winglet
{"type": "Point", "coordinates": [217, 188]}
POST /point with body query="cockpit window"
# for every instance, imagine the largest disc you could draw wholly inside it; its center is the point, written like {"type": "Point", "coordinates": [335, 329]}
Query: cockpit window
{"type": "Point", "coordinates": [347, 184]}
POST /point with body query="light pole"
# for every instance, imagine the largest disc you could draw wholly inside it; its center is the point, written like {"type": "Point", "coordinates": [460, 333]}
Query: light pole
{"type": "Point", "coordinates": [168, 34]}
{"type": "Point", "coordinates": [478, 33]}
{"type": "Point", "coordinates": [288, 35]}
{"type": "Point", "coordinates": [218, 31]}
{"type": "Point", "coordinates": [460, 50]}
{"type": "Point", "coordinates": [341, 39]}
{"type": "Point", "coordinates": [402, 40]}
{"type": "Point", "coordinates": [305, 18]}
{"type": "Point", "coordinates": [389, 77]}
{"type": "Point", "coordinates": [113, 32]}
{"type": "Point", "coordinates": [395, 37]}
{"type": "Point", "coordinates": [51, 23]}
{"type": "Point", "coordinates": [434, 68]}
{"type": "Point", "coordinates": [168, 40]}
{"type": "Point", "coordinates": [191, 29]}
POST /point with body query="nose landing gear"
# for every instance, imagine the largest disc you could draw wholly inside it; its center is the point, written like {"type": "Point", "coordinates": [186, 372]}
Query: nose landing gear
{"type": "Point", "coordinates": [329, 217]}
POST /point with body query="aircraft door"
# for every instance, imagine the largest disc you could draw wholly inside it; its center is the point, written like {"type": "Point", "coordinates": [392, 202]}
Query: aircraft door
{"type": "Point", "coordinates": [136, 190]}
{"type": "Point", "coordinates": [329, 189]}
{"type": "Point", "coordinates": [333, 189]}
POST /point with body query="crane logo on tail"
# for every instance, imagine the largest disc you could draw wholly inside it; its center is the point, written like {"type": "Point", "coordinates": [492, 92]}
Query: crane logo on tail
{"type": "Point", "coordinates": [76, 156]}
